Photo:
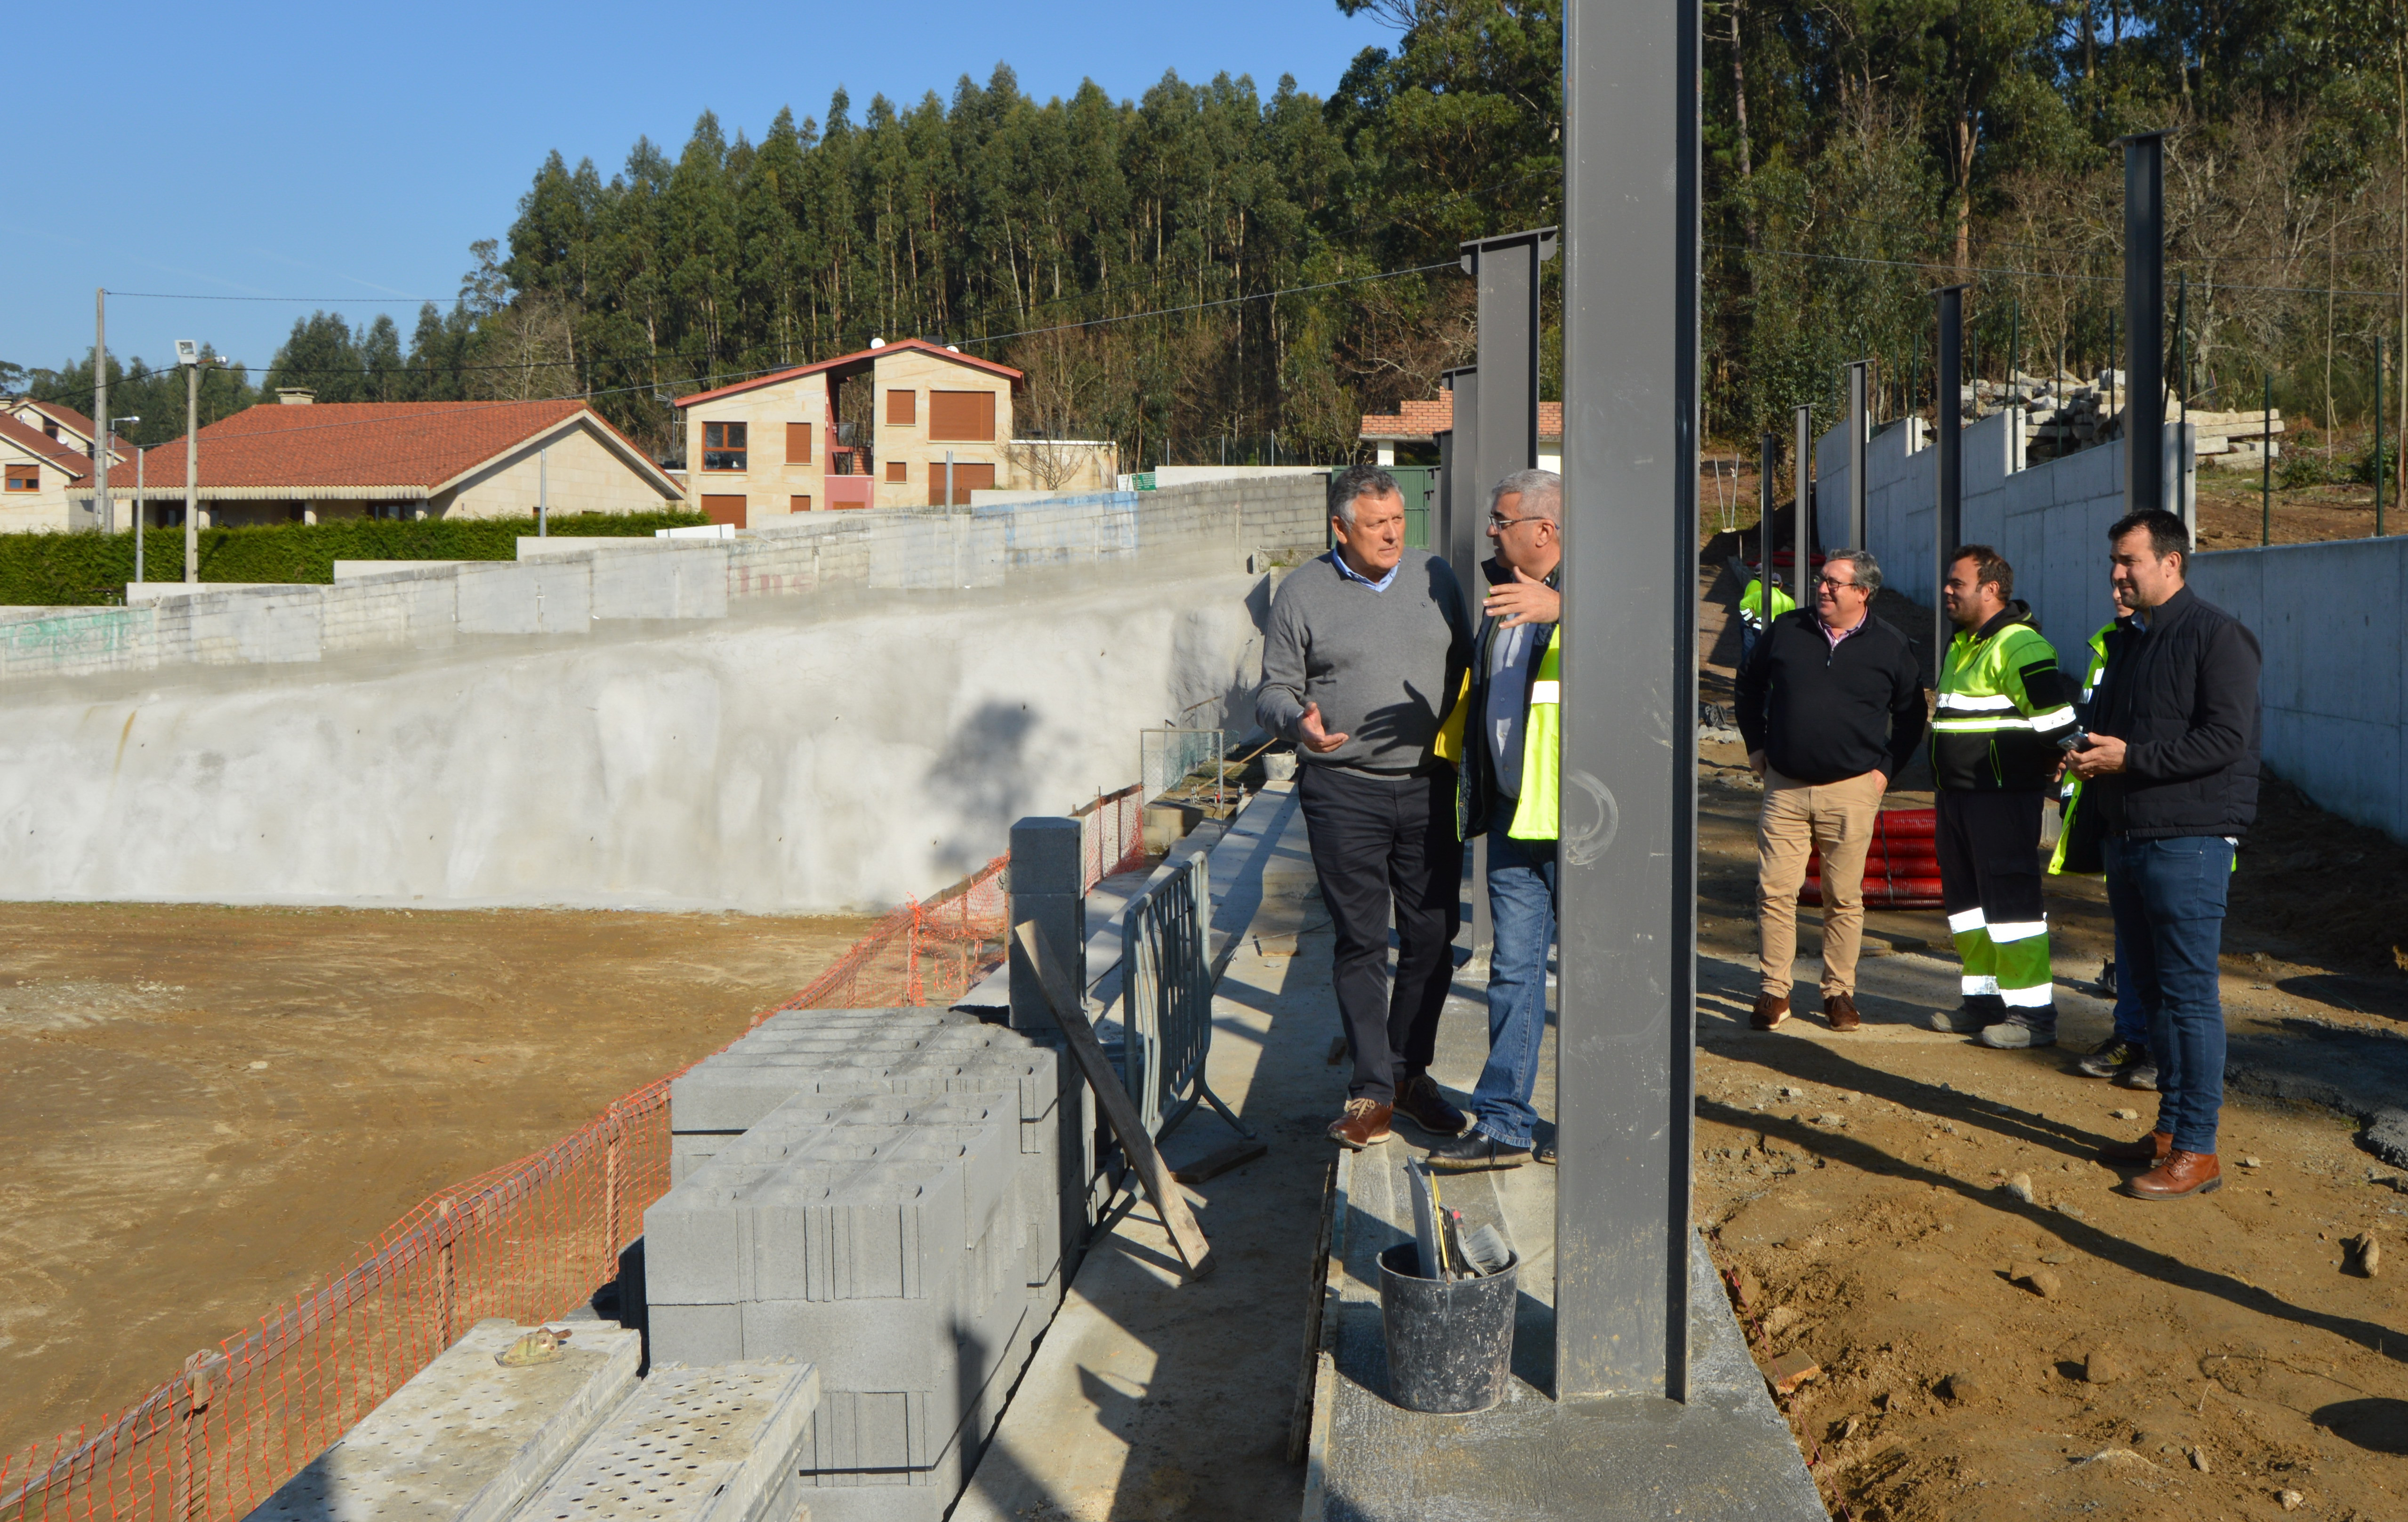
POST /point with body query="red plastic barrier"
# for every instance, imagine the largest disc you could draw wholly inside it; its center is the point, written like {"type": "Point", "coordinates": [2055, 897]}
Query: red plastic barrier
{"type": "Point", "coordinates": [1901, 863]}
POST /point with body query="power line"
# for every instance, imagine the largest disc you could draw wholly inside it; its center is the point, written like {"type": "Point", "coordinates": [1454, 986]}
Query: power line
{"type": "Point", "coordinates": [1943, 266]}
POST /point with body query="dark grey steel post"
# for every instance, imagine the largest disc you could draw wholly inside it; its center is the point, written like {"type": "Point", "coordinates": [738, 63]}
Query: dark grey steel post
{"type": "Point", "coordinates": [1505, 271]}
{"type": "Point", "coordinates": [1949, 409]}
{"type": "Point", "coordinates": [1048, 878]}
{"type": "Point", "coordinates": [1624, 1070]}
{"type": "Point", "coordinates": [1442, 520]}
{"type": "Point", "coordinates": [1802, 482]}
{"type": "Point", "coordinates": [1470, 506]}
{"type": "Point", "coordinates": [1467, 516]}
{"type": "Point", "coordinates": [1767, 460]}
{"type": "Point", "coordinates": [2145, 317]}
{"type": "Point", "coordinates": [1859, 435]}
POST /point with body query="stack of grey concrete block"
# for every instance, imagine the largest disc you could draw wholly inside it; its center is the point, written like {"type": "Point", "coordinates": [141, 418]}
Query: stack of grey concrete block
{"type": "Point", "coordinates": [881, 1193]}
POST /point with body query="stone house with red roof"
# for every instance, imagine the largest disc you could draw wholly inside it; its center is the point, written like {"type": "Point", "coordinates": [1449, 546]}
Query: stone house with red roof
{"type": "Point", "coordinates": [761, 449]}
{"type": "Point", "coordinates": [301, 462]}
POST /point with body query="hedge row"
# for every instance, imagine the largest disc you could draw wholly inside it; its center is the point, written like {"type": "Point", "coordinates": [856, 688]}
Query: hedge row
{"type": "Point", "coordinates": [53, 570]}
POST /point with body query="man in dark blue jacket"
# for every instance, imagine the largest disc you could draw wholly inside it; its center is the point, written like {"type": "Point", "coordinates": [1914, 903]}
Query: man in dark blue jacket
{"type": "Point", "coordinates": [2169, 775]}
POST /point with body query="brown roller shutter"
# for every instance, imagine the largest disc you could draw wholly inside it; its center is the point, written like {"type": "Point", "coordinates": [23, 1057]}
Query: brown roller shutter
{"type": "Point", "coordinates": [798, 443]}
{"type": "Point", "coordinates": [961, 416]}
{"type": "Point", "coordinates": [968, 478]}
{"type": "Point", "coordinates": [723, 509]}
{"type": "Point", "coordinates": [902, 407]}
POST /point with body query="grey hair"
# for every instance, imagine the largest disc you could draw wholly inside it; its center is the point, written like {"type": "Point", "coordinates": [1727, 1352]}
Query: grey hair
{"type": "Point", "coordinates": [1353, 484]}
{"type": "Point", "coordinates": [1541, 493]}
{"type": "Point", "coordinates": [1868, 568]}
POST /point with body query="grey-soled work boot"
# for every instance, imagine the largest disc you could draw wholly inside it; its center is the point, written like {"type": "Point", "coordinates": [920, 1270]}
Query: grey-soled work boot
{"type": "Point", "coordinates": [2021, 1029]}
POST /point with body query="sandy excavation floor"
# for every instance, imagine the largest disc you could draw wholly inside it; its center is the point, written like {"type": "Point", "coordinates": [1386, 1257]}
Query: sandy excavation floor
{"type": "Point", "coordinates": [210, 1110]}
{"type": "Point", "coordinates": [2183, 1361]}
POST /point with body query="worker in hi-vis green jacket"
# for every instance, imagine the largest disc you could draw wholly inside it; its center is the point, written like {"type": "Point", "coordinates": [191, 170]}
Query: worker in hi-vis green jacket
{"type": "Point", "coordinates": [2003, 706]}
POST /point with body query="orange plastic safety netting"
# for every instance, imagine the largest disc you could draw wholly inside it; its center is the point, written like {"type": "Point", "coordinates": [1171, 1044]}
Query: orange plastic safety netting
{"type": "Point", "coordinates": [529, 1241]}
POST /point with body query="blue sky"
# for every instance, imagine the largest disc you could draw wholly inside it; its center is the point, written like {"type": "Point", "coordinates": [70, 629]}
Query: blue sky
{"type": "Point", "coordinates": [354, 152]}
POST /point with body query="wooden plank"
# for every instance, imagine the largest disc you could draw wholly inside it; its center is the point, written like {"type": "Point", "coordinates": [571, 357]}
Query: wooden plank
{"type": "Point", "coordinates": [1214, 1164]}
{"type": "Point", "coordinates": [1160, 1188]}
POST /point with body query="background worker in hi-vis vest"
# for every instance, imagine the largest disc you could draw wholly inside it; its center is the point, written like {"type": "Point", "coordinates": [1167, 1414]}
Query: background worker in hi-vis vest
{"type": "Point", "coordinates": [1507, 790]}
{"type": "Point", "coordinates": [2003, 706]}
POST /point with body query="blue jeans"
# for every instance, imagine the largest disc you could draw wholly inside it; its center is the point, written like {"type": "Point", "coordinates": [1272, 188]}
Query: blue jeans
{"type": "Point", "coordinates": [2131, 1020]}
{"type": "Point", "coordinates": [1521, 905]}
{"type": "Point", "coordinates": [2167, 900]}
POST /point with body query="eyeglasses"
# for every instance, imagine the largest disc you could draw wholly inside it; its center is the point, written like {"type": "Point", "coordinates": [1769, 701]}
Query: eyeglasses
{"type": "Point", "coordinates": [1825, 581]}
{"type": "Point", "coordinates": [1501, 523]}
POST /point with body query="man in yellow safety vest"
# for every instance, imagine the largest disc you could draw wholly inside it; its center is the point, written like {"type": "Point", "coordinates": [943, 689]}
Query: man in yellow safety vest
{"type": "Point", "coordinates": [1507, 790]}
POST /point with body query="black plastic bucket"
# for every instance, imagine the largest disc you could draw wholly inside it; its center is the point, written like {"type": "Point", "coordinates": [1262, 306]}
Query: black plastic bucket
{"type": "Point", "coordinates": [1450, 1344]}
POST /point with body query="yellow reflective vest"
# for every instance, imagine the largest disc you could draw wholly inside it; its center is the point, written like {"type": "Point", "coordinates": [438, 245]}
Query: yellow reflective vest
{"type": "Point", "coordinates": [1535, 811]}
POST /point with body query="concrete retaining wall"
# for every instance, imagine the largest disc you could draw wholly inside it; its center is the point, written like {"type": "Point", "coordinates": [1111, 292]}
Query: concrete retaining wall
{"type": "Point", "coordinates": [2326, 617]}
{"type": "Point", "coordinates": [814, 735]}
{"type": "Point", "coordinates": [2336, 729]}
{"type": "Point", "coordinates": [568, 592]}
{"type": "Point", "coordinates": [2050, 520]}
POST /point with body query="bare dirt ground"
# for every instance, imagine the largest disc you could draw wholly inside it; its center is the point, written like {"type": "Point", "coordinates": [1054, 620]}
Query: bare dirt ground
{"type": "Point", "coordinates": [211, 1109]}
{"type": "Point", "coordinates": [1985, 1356]}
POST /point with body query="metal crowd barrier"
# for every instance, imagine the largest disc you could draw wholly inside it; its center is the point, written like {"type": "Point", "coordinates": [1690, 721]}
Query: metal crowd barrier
{"type": "Point", "coordinates": [1167, 999]}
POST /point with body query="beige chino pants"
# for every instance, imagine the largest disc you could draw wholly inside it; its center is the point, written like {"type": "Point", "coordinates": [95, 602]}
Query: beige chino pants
{"type": "Point", "coordinates": [1799, 818]}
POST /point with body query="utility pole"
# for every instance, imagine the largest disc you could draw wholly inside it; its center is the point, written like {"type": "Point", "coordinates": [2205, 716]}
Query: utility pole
{"type": "Point", "coordinates": [190, 352]}
{"type": "Point", "coordinates": [100, 502]}
{"type": "Point", "coordinates": [543, 491]}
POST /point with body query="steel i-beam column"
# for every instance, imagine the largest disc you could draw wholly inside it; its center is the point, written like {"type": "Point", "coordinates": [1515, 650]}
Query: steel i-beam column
{"type": "Point", "coordinates": [1859, 435]}
{"type": "Point", "coordinates": [2145, 319]}
{"type": "Point", "coordinates": [1469, 506]}
{"type": "Point", "coordinates": [1802, 554]}
{"type": "Point", "coordinates": [1624, 1068]}
{"type": "Point", "coordinates": [1948, 412]}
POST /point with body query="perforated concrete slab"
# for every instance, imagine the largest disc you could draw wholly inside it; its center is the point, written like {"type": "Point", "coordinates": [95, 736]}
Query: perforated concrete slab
{"type": "Point", "coordinates": [466, 1440]}
{"type": "Point", "coordinates": [716, 1445]}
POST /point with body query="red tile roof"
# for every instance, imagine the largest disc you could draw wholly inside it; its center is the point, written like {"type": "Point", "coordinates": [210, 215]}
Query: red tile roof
{"type": "Point", "coordinates": [416, 447]}
{"type": "Point", "coordinates": [75, 461]}
{"type": "Point", "coordinates": [1422, 421]}
{"type": "Point", "coordinates": [855, 363]}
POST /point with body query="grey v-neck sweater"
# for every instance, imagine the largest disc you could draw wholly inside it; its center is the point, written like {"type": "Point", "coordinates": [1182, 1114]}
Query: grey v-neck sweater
{"type": "Point", "coordinates": [1385, 665]}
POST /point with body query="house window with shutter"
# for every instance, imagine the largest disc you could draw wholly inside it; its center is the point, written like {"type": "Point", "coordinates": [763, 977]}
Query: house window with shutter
{"type": "Point", "coordinates": [894, 476]}
{"type": "Point", "coordinates": [961, 417]}
{"type": "Point", "coordinates": [798, 443]}
{"type": "Point", "coordinates": [903, 407]}
{"type": "Point", "coordinates": [24, 478]}
{"type": "Point", "coordinates": [724, 446]}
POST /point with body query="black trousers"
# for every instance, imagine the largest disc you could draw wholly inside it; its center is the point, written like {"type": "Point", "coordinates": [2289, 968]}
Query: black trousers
{"type": "Point", "coordinates": [1384, 845]}
{"type": "Point", "coordinates": [1988, 846]}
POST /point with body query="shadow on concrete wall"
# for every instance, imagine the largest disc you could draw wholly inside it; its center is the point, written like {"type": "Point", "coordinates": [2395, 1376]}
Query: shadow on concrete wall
{"type": "Point", "coordinates": [981, 780]}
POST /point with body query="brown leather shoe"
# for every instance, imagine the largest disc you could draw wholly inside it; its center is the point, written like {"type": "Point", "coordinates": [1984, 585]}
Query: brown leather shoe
{"type": "Point", "coordinates": [2151, 1149]}
{"type": "Point", "coordinates": [2182, 1174]}
{"type": "Point", "coordinates": [1419, 1101]}
{"type": "Point", "coordinates": [1364, 1124]}
{"type": "Point", "coordinates": [1771, 1010]}
{"type": "Point", "coordinates": [1841, 1010]}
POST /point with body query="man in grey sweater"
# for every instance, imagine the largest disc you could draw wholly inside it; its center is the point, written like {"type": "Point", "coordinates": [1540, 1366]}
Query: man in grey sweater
{"type": "Point", "coordinates": [1364, 655]}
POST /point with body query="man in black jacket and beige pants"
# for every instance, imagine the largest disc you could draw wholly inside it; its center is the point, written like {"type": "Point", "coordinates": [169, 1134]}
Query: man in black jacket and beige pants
{"type": "Point", "coordinates": [1831, 705]}
{"type": "Point", "coordinates": [2170, 782]}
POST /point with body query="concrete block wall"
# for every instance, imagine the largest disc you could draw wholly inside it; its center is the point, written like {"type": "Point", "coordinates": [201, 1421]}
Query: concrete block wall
{"type": "Point", "coordinates": [2325, 617]}
{"type": "Point", "coordinates": [887, 1215]}
{"type": "Point", "coordinates": [2049, 519]}
{"type": "Point", "coordinates": [566, 590]}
